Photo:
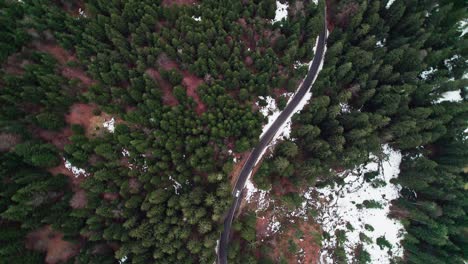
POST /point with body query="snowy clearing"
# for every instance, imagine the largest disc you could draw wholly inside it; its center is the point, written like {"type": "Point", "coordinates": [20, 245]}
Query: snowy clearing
{"type": "Point", "coordinates": [346, 205]}
{"type": "Point", "coordinates": [451, 96]}
{"type": "Point", "coordinates": [463, 27]}
{"type": "Point", "coordinates": [262, 200]}
{"type": "Point", "coordinates": [281, 11]}
{"type": "Point", "coordinates": [110, 125]}
{"type": "Point", "coordinates": [389, 3]}
{"type": "Point", "coordinates": [77, 172]}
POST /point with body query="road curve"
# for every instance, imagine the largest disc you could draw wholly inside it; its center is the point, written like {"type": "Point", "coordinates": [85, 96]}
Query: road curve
{"type": "Point", "coordinates": [265, 140]}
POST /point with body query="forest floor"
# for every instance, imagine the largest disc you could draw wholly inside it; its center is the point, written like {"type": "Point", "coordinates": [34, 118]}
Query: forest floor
{"type": "Point", "coordinates": [191, 82]}
{"type": "Point", "coordinates": [167, 97]}
{"type": "Point", "coordinates": [47, 240]}
{"type": "Point", "coordinates": [288, 234]}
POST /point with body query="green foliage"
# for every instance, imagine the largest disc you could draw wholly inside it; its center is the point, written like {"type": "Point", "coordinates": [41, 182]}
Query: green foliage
{"type": "Point", "coordinates": [38, 154]}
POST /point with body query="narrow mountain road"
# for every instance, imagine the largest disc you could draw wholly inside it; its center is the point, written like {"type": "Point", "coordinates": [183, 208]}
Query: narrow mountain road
{"type": "Point", "coordinates": [265, 140]}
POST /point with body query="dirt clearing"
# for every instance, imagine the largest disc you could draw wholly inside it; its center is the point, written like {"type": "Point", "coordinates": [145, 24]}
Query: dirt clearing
{"type": "Point", "coordinates": [191, 82]}
{"type": "Point", "coordinates": [50, 241]}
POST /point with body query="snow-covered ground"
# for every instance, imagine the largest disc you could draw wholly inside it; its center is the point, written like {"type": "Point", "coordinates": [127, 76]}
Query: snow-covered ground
{"type": "Point", "coordinates": [281, 11]}
{"type": "Point", "coordinates": [463, 26]}
{"type": "Point", "coordinates": [340, 208]}
{"type": "Point", "coordinates": [451, 96]}
{"type": "Point", "coordinates": [272, 112]}
{"type": "Point", "coordinates": [75, 170]}
{"type": "Point", "coordinates": [109, 125]}
{"type": "Point", "coordinates": [389, 3]}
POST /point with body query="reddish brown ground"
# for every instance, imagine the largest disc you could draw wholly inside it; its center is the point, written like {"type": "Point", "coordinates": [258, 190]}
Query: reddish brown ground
{"type": "Point", "coordinates": [110, 196]}
{"type": "Point", "coordinates": [309, 243]}
{"type": "Point", "coordinates": [58, 139]}
{"type": "Point", "coordinates": [79, 199]}
{"type": "Point", "coordinates": [59, 53]}
{"type": "Point", "coordinates": [261, 227]}
{"type": "Point", "coordinates": [241, 159]}
{"type": "Point", "coordinates": [80, 114]}
{"type": "Point", "coordinates": [284, 186]}
{"type": "Point", "coordinates": [63, 56]}
{"type": "Point", "coordinates": [166, 63]}
{"type": "Point", "coordinates": [14, 65]}
{"type": "Point", "coordinates": [279, 242]}
{"type": "Point", "coordinates": [279, 92]}
{"type": "Point", "coordinates": [178, 2]}
{"type": "Point", "coordinates": [191, 82]}
{"type": "Point", "coordinates": [74, 181]}
{"type": "Point", "coordinates": [83, 115]}
{"type": "Point", "coordinates": [47, 240]}
{"type": "Point", "coordinates": [8, 141]}
{"type": "Point", "coordinates": [168, 97]}
{"type": "Point", "coordinates": [75, 73]}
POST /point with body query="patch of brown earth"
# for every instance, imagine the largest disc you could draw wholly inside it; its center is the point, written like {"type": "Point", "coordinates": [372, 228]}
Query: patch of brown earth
{"type": "Point", "coordinates": [83, 114]}
{"type": "Point", "coordinates": [248, 61]}
{"type": "Point", "coordinates": [110, 196]}
{"type": "Point", "coordinates": [58, 139]}
{"type": "Point", "coordinates": [166, 63]}
{"type": "Point", "coordinates": [79, 199]}
{"type": "Point", "coordinates": [8, 141]}
{"type": "Point", "coordinates": [75, 73]}
{"type": "Point", "coordinates": [59, 53]}
{"type": "Point", "coordinates": [284, 186]}
{"type": "Point", "coordinates": [96, 124]}
{"type": "Point", "coordinates": [168, 98]}
{"type": "Point", "coordinates": [14, 64]}
{"type": "Point", "coordinates": [241, 159]}
{"type": "Point", "coordinates": [279, 92]}
{"type": "Point", "coordinates": [50, 241]}
{"type": "Point", "coordinates": [178, 2]}
{"type": "Point", "coordinates": [261, 226]}
{"type": "Point", "coordinates": [308, 244]}
{"type": "Point", "coordinates": [191, 82]}
{"type": "Point", "coordinates": [75, 180]}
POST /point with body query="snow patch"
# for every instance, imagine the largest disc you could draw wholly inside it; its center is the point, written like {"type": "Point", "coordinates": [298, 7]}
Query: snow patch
{"type": "Point", "coordinates": [340, 209]}
{"type": "Point", "coordinates": [273, 226]}
{"type": "Point", "coordinates": [298, 64]}
{"type": "Point", "coordinates": [450, 96]}
{"type": "Point", "coordinates": [271, 110]}
{"type": "Point", "coordinates": [176, 185]}
{"type": "Point", "coordinates": [281, 11]}
{"type": "Point", "coordinates": [262, 201]}
{"type": "Point", "coordinates": [110, 125]}
{"type": "Point", "coordinates": [345, 108]}
{"type": "Point", "coordinates": [425, 74]}
{"type": "Point", "coordinates": [81, 12]}
{"type": "Point", "coordinates": [389, 3]}
{"type": "Point", "coordinates": [122, 260]}
{"type": "Point", "coordinates": [77, 172]}
{"type": "Point", "coordinates": [379, 44]}
{"type": "Point", "coordinates": [463, 27]}
{"type": "Point", "coordinates": [125, 153]}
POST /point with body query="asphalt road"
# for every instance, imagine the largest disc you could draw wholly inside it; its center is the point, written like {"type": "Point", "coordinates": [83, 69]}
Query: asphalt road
{"type": "Point", "coordinates": [265, 140]}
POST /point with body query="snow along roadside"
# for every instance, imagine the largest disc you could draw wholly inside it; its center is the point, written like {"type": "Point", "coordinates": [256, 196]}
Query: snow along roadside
{"type": "Point", "coordinates": [284, 131]}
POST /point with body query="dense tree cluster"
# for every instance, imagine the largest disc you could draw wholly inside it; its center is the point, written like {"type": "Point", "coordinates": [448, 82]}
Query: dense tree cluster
{"type": "Point", "coordinates": [181, 79]}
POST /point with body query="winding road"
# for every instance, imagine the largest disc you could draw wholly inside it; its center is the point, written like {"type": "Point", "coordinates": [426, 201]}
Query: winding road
{"type": "Point", "coordinates": [258, 151]}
